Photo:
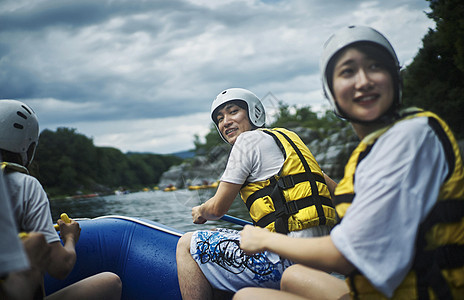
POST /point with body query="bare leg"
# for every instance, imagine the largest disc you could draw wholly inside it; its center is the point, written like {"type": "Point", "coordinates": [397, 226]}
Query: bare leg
{"type": "Point", "coordinates": [313, 284]}
{"type": "Point", "coordinates": [264, 294]}
{"type": "Point", "coordinates": [104, 286]}
{"type": "Point", "coordinates": [193, 284]}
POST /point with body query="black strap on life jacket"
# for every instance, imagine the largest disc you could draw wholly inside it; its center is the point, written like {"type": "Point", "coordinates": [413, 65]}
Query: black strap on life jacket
{"type": "Point", "coordinates": [348, 198]}
{"type": "Point", "coordinates": [286, 183]}
{"type": "Point", "coordinates": [428, 264]}
{"type": "Point", "coordinates": [290, 208]}
{"type": "Point", "coordinates": [284, 209]}
{"type": "Point", "coordinates": [446, 143]}
{"type": "Point", "coordinates": [352, 283]}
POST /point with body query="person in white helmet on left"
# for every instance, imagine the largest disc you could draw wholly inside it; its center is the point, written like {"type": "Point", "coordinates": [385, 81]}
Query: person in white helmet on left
{"type": "Point", "coordinates": [282, 186]}
{"type": "Point", "coordinates": [19, 136]}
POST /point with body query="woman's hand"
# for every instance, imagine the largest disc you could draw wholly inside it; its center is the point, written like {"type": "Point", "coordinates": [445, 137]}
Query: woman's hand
{"type": "Point", "coordinates": [253, 239]}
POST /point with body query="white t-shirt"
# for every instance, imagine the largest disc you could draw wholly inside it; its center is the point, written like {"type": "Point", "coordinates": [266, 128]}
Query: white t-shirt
{"type": "Point", "coordinates": [254, 157]}
{"type": "Point", "coordinates": [30, 205]}
{"type": "Point", "coordinates": [12, 255]}
{"type": "Point", "coordinates": [396, 186]}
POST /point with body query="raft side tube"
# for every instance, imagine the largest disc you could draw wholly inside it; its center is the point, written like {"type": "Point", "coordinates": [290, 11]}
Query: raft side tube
{"type": "Point", "coordinates": [141, 252]}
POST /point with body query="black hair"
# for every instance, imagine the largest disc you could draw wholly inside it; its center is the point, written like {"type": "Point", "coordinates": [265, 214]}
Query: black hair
{"type": "Point", "coordinates": [11, 157]}
{"type": "Point", "coordinates": [240, 103]}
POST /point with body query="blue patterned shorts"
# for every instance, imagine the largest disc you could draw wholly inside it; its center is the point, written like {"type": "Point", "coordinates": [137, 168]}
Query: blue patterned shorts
{"type": "Point", "coordinates": [228, 268]}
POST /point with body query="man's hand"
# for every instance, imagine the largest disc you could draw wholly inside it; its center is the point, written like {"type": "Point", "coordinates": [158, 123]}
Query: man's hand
{"type": "Point", "coordinates": [196, 215]}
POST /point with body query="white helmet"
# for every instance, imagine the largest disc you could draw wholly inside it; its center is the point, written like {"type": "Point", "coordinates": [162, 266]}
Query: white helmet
{"type": "Point", "coordinates": [256, 113]}
{"type": "Point", "coordinates": [346, 37]}
{"type": "Point", "coordinates": [19, 129]}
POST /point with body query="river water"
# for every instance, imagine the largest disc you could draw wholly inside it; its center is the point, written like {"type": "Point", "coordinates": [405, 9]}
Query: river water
{"type": "Point", "coordinates": [169, 208]}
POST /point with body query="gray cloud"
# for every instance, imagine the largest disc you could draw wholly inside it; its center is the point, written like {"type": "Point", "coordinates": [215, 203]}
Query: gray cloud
{"type": "Point", "coordinates": [83, 63]}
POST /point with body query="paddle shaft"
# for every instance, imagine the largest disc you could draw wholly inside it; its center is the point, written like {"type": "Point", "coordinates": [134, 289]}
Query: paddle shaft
{"type": "Point", "coordinates": [235, 220]}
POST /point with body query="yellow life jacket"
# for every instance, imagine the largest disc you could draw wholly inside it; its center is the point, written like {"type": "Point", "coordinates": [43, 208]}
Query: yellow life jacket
{"type": "Point", "coordinates": [296, 197]}
{"type": "Point", "coordinates": [9, 166]}
{"type": "Point", "coordinates": [437, 271]}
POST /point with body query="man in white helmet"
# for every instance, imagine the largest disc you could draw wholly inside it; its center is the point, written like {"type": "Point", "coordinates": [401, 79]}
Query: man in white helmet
{"type": "Point", "coordinates": [282, 186]}
{"type": "Point", "coordinates": [19, 135]}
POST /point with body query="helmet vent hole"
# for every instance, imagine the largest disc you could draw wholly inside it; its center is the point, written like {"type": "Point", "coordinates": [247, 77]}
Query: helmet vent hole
{"type": "Point", "coordinates": [21, 115]}
{"type": "Point", "coordinates": [224, 92]}
{"type": "Point", "coordinates": [26, 109]}
{"type": "Point", "coordinates": [19, 126]}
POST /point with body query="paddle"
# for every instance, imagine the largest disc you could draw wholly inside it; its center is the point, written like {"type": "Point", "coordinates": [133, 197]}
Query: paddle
{"type": "Point", "coordinates": [235, 220]}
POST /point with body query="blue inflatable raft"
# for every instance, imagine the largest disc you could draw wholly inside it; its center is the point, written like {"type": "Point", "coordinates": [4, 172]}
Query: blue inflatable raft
{"type": "Point", "coordinates": [141, 252]}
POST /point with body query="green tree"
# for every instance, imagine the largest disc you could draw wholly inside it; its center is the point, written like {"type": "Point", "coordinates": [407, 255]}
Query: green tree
{"type": "Point", "coordinates": [67, 162]}
{"type": "Point", "coordinates": [66, 159]}
{"type": "Point", "coordinates": [294, 116]}
{"type": "Point", "coordinates": [148, 168]}
{"type": "Point", "coordinates": [112, 167]}
{"type": "Point", "coordinates": [212, 139]}
{"type": "Point", "coordinates": [435, 79]}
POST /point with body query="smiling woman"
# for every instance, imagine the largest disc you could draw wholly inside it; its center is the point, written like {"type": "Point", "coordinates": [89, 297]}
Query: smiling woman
{"type": "Point", "coordinates": [403, 188]}
{"type": "Point", "coordinates": [363, 87]}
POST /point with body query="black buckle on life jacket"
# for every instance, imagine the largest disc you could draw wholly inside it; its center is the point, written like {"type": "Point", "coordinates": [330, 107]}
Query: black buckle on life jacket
{"type": "Point", "coordinates": [291, 208]}
{"type": "Point", "coordinates": [286, 182]}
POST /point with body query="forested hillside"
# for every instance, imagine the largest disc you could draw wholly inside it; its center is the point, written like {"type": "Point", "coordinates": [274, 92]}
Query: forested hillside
{"type": "Point", "coordinates": [67, 163]}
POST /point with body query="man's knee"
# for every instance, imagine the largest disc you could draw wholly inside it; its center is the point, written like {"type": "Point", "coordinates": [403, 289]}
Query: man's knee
{"type": "Point", "coordinates": [183, 244]}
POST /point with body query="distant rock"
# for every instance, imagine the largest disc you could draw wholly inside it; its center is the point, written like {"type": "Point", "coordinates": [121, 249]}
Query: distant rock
{"type": "Point", "coordinates": [198, 170]}
{"type": "Point", "coordinates": [331, 153]}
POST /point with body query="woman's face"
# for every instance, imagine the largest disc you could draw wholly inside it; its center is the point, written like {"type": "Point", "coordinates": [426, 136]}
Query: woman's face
{"type": "Point", "coordinates": [362, 87]}
{"type": "Point", "coordinates": [232, 120]}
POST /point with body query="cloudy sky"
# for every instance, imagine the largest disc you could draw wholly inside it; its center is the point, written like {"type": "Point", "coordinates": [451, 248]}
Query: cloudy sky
{"type": "Point", "coordinates": [140, 75]}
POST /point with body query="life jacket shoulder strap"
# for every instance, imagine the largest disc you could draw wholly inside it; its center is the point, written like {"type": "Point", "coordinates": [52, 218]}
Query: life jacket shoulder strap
{"type": "Point", "coordinates": [9, 166]}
